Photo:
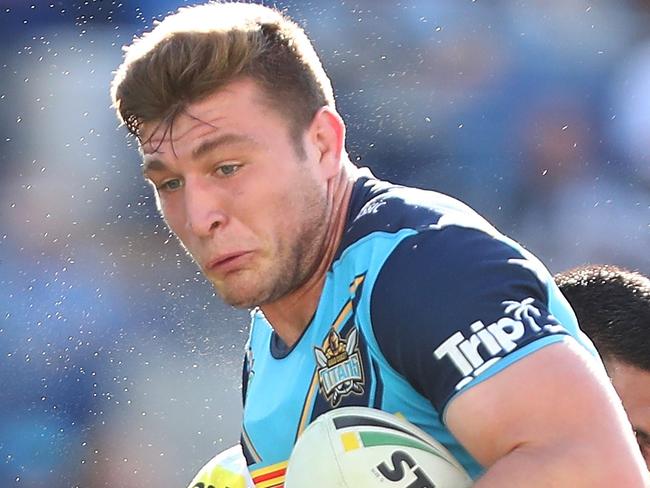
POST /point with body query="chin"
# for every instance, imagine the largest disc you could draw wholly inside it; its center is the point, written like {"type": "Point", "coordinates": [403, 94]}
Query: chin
{"type": "Point", "coordinates": [241, 296]}
{"type": "Point", "coordinates": [237, 300]}
{"type": "Point", "coordinates": [254, 290]}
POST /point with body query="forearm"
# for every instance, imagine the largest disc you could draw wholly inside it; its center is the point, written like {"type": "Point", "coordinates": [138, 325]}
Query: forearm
{"type": "Point", "coordinates": [574, 465]}
{"type": "Point", "coordinates": [562, 426]}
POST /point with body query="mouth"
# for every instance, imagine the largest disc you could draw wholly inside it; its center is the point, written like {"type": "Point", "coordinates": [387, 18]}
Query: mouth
{"type": "Point", "coordinates": [229, 262]}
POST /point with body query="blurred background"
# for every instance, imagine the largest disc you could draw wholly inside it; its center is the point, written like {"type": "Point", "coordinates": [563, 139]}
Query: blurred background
{"type": "Point", "coordinates": [118, 366]}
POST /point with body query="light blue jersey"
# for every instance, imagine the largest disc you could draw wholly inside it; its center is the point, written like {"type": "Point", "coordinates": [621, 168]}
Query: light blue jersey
{"type": "Point", "coordinates": [424, 299]}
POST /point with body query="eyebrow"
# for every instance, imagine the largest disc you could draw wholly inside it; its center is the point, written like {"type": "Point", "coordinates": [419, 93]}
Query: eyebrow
{"type": "Point", "coordinates": [149, 165]}
{"type": "Point", "coordinates": [221, 140]}
{"type": "Point", "coordinates": [202, 149]}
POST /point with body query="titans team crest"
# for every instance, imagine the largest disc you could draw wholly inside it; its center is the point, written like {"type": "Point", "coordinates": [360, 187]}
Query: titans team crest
{"type": "Point", "coordinates": [340, 371]}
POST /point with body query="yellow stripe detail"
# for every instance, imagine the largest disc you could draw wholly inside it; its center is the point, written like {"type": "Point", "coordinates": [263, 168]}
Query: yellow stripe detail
{"type": "Point", "coordinates": [308, 403]}
{"type": "Point", "coordinates": [350, 441]}
{"type": "Point", "coordinates": [357, 281]}
{"type": "Point", "coordinates": [272, 482]}
{"type": "Point", "coordinates": [343, 315]}
{"type": "Point", "coordinates": [269, 469]}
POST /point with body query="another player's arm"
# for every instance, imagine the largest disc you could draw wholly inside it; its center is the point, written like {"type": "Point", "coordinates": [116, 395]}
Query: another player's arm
{"type": "Point", "coordinates": [551, 419]}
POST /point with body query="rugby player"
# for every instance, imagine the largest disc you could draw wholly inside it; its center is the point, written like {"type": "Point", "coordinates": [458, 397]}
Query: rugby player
{"type": "Point", "coordinates": [362, 292]}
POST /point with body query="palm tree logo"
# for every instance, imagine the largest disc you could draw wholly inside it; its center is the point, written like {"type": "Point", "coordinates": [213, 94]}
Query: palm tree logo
{"type": "Point", "coordinates": [524, 312]}
{"type": "Point", "coordinates": [528, 314]}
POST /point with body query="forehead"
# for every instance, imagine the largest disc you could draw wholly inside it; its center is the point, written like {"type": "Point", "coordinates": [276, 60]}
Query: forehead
{"type": "Point", "coordinates": [240, 108]}
{"type": "Point", "coordinates": [632, 385]}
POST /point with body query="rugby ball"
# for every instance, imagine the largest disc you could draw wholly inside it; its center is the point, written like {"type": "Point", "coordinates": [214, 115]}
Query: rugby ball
{"type": "Point", "coordinates": [358, 447]}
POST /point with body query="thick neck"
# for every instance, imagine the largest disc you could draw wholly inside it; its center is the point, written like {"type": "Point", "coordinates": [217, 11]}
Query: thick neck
{"type": "Point", "coordinates": [291, 314]}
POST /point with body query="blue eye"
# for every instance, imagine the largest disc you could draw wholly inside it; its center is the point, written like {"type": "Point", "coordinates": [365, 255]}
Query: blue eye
{"type": "Point", "coordinates": [171, 185]}
{"type": "Point", "coordinates": [228, 169]}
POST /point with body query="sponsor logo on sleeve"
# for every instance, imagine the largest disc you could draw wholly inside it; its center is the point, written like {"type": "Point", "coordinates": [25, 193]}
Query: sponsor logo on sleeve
{"type": "Point", "coordinates": [490, 343]}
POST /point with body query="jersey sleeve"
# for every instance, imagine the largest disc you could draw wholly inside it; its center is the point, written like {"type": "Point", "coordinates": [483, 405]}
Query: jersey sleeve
{"type": "Point", "coordinates": [453, 306]}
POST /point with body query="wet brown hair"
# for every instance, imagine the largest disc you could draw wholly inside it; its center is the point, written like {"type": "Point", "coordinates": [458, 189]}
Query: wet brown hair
{"type": "Point", "coordinates": [195, 52]}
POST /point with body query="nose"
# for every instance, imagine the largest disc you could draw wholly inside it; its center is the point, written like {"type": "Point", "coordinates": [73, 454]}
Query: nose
{"type": "Point", "coordinates": [203, 207]}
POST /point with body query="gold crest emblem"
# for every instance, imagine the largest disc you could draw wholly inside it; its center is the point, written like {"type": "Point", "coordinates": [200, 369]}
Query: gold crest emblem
{"type": "Point", "coordinates": [340, 370]}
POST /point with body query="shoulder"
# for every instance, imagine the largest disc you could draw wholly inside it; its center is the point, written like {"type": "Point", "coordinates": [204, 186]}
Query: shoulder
{"type": "Point", "coordinates": [381, 207]}
{"type": "Point", "coordinates": [443, 248]}
{"type": "Point", "coordinates": [460, 262]}
{"type": "Point", "coordinates": [454, 297]}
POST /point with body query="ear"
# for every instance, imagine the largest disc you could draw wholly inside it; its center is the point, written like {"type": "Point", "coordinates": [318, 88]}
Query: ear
{"type": "Point", "coordinates": [327, 137]}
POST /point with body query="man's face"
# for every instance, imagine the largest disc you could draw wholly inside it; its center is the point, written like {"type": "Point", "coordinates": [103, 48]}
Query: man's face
{"type": "Point", "coordinates": [235, 190]}
{"type": "Point", "coordinates": [633, 386]}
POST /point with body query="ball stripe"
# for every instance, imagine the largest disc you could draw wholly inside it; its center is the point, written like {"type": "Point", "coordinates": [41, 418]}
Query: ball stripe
{"type": "Point", "coordinates": [363, 421]}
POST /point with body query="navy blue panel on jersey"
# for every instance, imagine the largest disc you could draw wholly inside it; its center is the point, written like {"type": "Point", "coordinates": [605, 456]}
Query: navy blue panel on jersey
{"type": "Point", "coordinates": [378, 206]}
{"type": "Point", "coordinates": [449, 301]}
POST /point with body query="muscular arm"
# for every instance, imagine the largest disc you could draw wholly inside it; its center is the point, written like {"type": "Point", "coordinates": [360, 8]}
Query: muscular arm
{"type": "Point", "coordinates": [479, 329]}
{"type": "Point", "coordinates": [550, 420]}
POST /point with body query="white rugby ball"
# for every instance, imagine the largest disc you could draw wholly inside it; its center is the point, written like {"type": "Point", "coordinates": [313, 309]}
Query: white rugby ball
{"type": "Point", "coordinates": [358, 447]}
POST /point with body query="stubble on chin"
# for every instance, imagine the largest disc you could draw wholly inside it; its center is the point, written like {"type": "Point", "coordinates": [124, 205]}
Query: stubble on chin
{"type": "Point", "coordinates": [235, 296]}
{"type": "Point", "coordinates": [255, 291]}
{"type": "Point", "coordinates": [247, 292]}
{"type": "Point", "coordinates": [290, 270]}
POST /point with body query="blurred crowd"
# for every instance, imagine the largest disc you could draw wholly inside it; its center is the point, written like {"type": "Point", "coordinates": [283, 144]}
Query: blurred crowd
{"type": "Point", "coordinates": [118, 366]}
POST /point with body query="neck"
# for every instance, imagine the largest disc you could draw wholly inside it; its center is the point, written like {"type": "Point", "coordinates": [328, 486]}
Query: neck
{"type": "Point", "coordinates": [291, 314]}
